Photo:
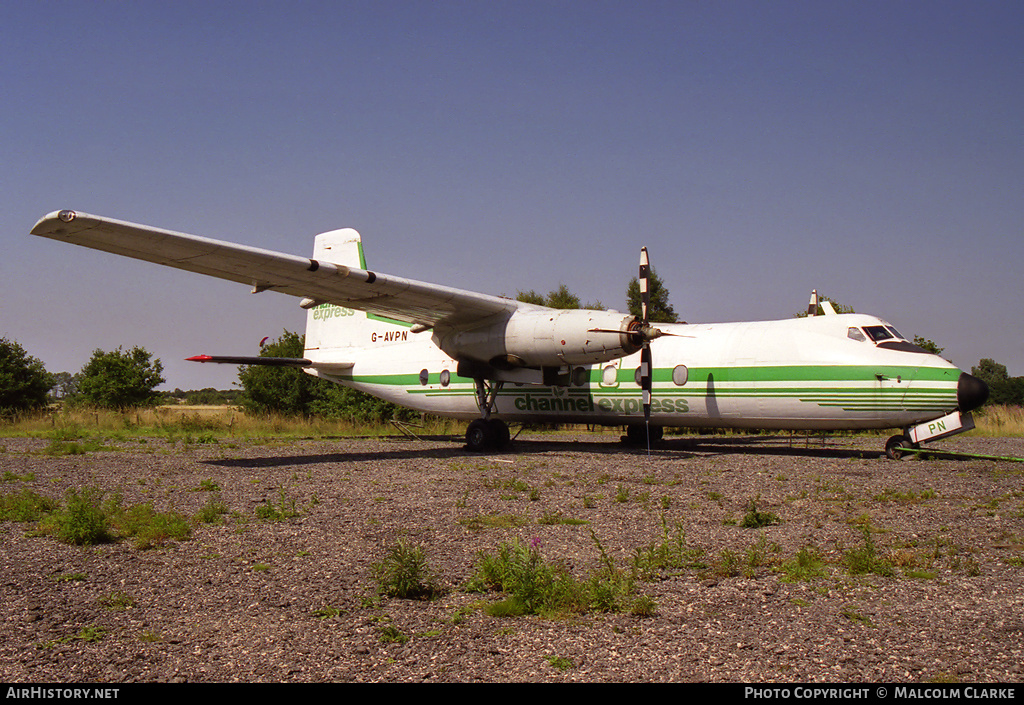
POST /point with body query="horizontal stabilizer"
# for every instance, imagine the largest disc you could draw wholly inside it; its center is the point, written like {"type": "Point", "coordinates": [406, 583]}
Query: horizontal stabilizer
{"type": "Point", "coordinates": [243, 360]}
{"type": "Point", "coordinates": [300, 362]}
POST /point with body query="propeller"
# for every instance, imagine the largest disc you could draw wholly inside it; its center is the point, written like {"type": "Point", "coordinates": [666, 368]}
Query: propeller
{"type": "Point", "coordinates": [645, 352]}
{"type": "Point", "coordinates": [642, 330]}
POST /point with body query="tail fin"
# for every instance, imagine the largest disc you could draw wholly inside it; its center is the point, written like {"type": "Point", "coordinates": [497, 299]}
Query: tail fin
{"type": "Point", "coordinates": [332, 332]}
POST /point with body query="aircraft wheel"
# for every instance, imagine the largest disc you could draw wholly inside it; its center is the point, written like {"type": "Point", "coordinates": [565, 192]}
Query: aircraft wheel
{"type": "Point", "coordinates": [636, 434]}
{"type": "Point", "coordinates": [479, 436]}
{"type": "Point", "coordinates": [500, 433]}
{"type": "Point", "coordinates": [894, 447]}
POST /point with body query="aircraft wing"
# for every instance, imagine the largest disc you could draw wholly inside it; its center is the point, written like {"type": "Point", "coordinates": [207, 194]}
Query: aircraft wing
{"type": "Point", "coordinates": [414, 302]}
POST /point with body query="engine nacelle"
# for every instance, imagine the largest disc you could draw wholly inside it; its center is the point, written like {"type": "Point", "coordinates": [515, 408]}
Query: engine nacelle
{"type": "Point", "coordinates": [545, 338]}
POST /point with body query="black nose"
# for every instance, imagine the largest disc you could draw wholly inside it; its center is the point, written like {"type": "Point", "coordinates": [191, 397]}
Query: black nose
{"type": "Point", "coordinates": [971, 392]}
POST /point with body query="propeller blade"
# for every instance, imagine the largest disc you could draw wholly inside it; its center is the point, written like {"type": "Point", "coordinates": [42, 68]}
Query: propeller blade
{"type": "Point", "coordinates": [645, 380]}
{"type": "Point", "coordinates": [645, 290]}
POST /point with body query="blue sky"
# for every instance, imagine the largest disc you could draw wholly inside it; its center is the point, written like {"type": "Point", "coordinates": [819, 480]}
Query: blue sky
{"type": "Point", "coordinates": [871, 150]}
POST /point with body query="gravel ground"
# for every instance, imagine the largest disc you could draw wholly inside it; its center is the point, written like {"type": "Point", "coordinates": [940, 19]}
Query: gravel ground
{"type": "Point", "coordinates": [294, 600]}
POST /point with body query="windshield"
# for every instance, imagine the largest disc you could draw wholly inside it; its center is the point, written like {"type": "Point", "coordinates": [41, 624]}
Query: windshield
{"type": "Point", "coordinates": [878, 333]}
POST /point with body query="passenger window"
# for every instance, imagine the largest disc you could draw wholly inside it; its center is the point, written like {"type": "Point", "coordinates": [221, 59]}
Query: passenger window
{"type": "Point", "coordinates": [855, 334]}
{"type": "Point", "coordinates": [679, 375]}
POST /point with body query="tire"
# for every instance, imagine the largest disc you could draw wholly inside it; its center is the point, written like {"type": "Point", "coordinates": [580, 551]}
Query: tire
{"type": "Point", "coordinates": [894, 447]}
{"type": "Point", "coordinates": [500, 435]}
{"type": "Point", "coordinates": [479, 436]}
{"type": "Point", "coordinates": [636, 434]}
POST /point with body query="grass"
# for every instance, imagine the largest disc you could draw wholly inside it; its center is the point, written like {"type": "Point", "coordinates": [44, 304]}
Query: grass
{"type": "Point", "coordinates": [998, 421]}
{"type": "Point", "coordinates": [192, 425]}
{"type": "Point", "coordinates": [533, 585]}
{"type": "Point", "coordinates": [209, 424]}
{"type": "Point", "coordinates": [88, 517]}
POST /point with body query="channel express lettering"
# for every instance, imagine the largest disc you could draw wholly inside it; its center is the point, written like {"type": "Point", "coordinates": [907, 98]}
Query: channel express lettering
{"type": "Point", "coordinates": [325, 312]}
{"type": "Point", "coordinates": [545, 401]}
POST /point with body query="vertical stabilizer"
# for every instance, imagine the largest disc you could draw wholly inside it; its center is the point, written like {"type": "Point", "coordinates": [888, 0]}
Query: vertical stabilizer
{"type": "Point", "coordinates": [333, 331]}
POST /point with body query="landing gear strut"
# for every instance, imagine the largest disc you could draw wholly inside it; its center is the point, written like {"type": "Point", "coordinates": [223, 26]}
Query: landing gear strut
{"type": "Point", "coordinates": [486, 433]}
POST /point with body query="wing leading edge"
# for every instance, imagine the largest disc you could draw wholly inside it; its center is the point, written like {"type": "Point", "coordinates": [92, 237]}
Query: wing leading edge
{"type": "Point", "coordinates": [414, 302]}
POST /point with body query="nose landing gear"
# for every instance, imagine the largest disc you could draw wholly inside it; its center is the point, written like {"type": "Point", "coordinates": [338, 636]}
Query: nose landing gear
{"type": "Point", "coordinates": [896, 447]}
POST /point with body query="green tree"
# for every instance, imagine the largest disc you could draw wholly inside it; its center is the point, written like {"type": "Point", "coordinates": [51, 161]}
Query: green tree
{"type": "Point", "coordinates": [928, 345]}
{"type": "Point", "coordinates": [65, 386]}
{"type": "Point", "coordinates": [120, 380]}
{"type": "Point", "coordinates": [531, 297]}
{"type": "Point", "coordinates": [1003, 389]}
{"type": "Point", "coordinates": [561, 297]}
{"type": "Point", "coordinates": [990, 372]}
{"type": "Point", "coordinates": [290, 391]}
{"type": "Point", "coordinates": [280, 390]}
{"type": "Point", "coordinates": [24, 382]}
{"type": "Point", "coordinates": [660, 310]}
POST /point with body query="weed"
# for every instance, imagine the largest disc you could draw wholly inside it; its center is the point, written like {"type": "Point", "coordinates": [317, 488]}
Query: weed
{"type": "Point", "coordinates": [25, 506]}
{"type": "Point", "coordinates": [854, 615]}
{"type": "Point", "coordinates": [211, 511]}
{"type": "Point", "coordinates": [727, 564]}
{"type": "Point", "coordinates": [643, 606]}
{"type": "Point", "coordinates": [754, 519]}
{"type": "Point", "coordinates": [671, 554]}
{"type": "Point", "coordinates": [559, 662]}
{"type": "Point", "coordinates": [806, 565]}
{"type": "Point", "coordinates": [389, 634]}
{"type": "Point", "coordinates": [82, 521]}
{"type": "Point", "coordinates": [553, 518]}
{"type": "Point", "coordinates": [492, 521]}
{"type": "Point", "coordinates": [757, 556]}
{"type": "Point", "coordinates": [286, 508]}
{"type": "Point", "coordinates": [404, 574]}
{"type": "Point", "coordinates": [117, 601]}
{"type": "Point", "coordinates": [531, 584]}
{"type": "Point", "coordinates": [865, 559]}
{"type": "Point", "coordinates": [327, 612]}
{"type": "Point", "coordinates": [147, 526]}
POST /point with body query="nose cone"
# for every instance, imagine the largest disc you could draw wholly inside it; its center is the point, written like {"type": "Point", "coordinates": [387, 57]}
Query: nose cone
{"type": "Point", "coordinates": [971, 392]}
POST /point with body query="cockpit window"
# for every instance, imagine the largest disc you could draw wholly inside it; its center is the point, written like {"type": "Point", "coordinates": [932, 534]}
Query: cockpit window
{"type": "Point", "coordinates": [878, 333]}
{"type": "Point", "coordinates": [855, 334]}
{"type": "Point", "coordinates": [895, 332]}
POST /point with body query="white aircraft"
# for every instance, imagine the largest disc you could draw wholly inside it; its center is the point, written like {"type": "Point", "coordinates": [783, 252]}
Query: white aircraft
{"type": "Point", "coordinates": [493, 360]}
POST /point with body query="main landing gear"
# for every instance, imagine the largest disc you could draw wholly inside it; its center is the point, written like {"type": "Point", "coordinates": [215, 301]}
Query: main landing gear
{"type": "Point", "coordinates": [637, 434]}
{"type": "Point", "coordinates": [486, 433]}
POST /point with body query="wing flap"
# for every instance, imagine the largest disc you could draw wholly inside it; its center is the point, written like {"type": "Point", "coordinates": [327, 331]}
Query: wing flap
{"type": "Point", "coordinates": [408, 300]}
